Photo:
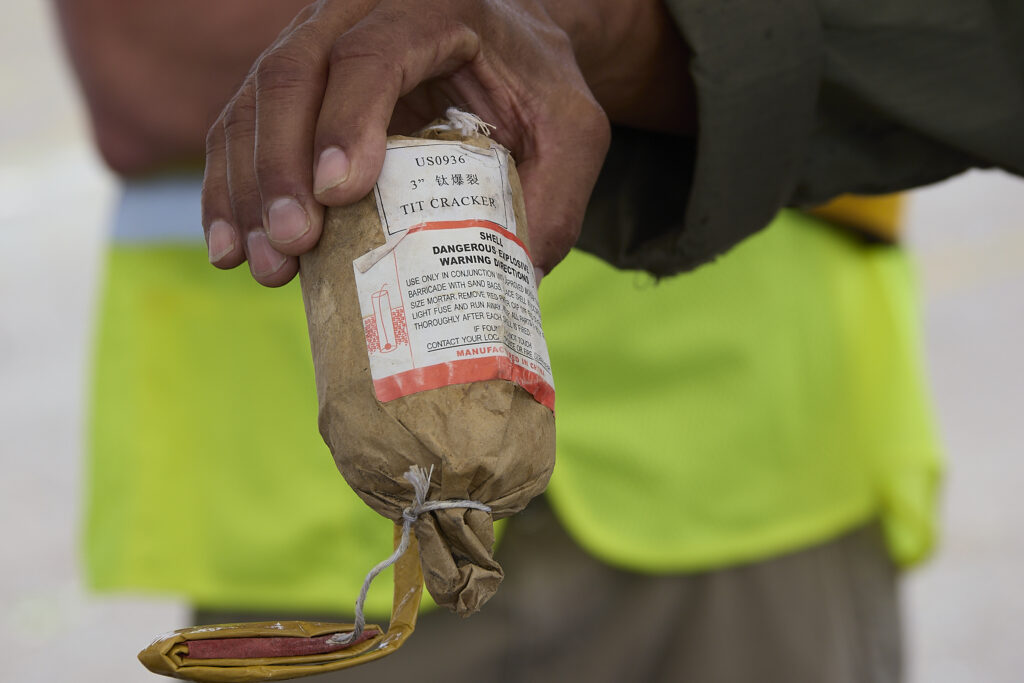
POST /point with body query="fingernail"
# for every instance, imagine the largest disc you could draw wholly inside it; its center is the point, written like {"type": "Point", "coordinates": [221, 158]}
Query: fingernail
{"type": "Point", "coordinates": [286, 220]}
{"type": "Point", "coordinates": [263, 259]}
{"type": "Point", "coordinates": [537, 275]}
{"type": "Point", "coordinates": [331, 169]}
{"type": "Point", "coordinates": [221, 240]}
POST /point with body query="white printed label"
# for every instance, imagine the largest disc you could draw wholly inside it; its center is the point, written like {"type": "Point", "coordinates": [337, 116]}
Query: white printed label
{"type": "Point", "coordinates": [427, 181]}
{"type": "Point", "coordinates": [451, 302]}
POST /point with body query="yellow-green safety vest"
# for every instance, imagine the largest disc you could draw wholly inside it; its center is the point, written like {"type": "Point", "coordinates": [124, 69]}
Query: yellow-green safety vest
{"type": "Point", "coordinates": [763, 403]}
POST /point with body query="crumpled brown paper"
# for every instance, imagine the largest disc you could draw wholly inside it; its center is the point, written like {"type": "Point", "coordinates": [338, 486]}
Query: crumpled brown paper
{"type": "Point", "coordinates": [488, 441]}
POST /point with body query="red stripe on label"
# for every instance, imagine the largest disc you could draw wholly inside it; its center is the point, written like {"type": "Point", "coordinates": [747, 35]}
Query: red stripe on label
{"type": "Point", "coordinates": [487, 225]}
{"type": "Point", "coordinates": [462, 372]}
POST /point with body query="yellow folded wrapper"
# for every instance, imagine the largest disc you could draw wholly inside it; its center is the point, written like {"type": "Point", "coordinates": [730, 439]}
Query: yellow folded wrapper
{"type": "Point", "coordinates": [169, 654]}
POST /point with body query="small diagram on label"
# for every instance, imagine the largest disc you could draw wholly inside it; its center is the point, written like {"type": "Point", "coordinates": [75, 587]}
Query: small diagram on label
{"type": "Point", "coordinates": [386, 328]}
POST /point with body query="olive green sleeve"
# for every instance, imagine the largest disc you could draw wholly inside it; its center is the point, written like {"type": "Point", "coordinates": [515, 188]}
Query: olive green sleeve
{"type": "Point", "coordinates": [801, 100]}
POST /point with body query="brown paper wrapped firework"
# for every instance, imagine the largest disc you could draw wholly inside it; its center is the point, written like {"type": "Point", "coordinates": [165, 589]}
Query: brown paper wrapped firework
{"type": "Point", "coordinates": [428, 350]}
{"type": "Point", "coordinates": [429, 357]}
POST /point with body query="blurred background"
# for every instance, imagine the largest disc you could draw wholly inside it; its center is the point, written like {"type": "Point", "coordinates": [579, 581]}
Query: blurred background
{"type": "Point", "coordinates": [964, 608]}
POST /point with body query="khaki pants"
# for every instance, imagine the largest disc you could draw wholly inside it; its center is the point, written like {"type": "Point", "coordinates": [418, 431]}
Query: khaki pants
{"type": "Point", "coordinates": [827, 614]}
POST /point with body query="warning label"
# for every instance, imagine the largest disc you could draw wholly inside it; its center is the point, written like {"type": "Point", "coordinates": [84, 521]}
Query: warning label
{"type": "Point", "coordinates": [450, 302]}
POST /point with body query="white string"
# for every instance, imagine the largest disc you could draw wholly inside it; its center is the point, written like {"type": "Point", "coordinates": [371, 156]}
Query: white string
{"type": "Point", "coordinates": [465, 123]}
{"type": "Point", "coordinates": [419, 477]}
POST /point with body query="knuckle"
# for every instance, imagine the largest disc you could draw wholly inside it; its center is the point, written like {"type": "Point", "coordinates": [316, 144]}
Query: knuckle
{"type": "Point", "coordinates": [354, 48]}
{"type": "Point", "coordinates": [380, 43]}
{"type": "Point", "coordinates": [385, 68]}
{"type": "Point", "coordinates": [461, 40]}
{"type": "Point", "coordinates": [283, 69]}
{"type": "Point", "coordinates": [583, 119]}
{"type": "Point", "coordinates": [208, 210]}
{"type": "Point", "coordinates": [245, 204]}
{"type": "Point", "coordinates": [239, 115]}
{"type": "Point", "coordinates": [393, 15]}
{"type": "Point", "coordinates": [210, 198]}
{"type": "Point", "coordinates": [437, 24]}
{"type": "Point", "coordinates": [215, 137]}
{"type": "Point", "coordinates": [306, 13]}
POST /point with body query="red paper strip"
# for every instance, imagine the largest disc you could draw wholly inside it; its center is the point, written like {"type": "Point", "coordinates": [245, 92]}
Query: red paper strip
{"type": "Point", "coordinates": [259, 647]}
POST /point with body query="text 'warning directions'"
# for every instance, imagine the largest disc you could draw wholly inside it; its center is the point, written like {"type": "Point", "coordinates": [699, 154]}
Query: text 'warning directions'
{"type": "Point", "coordinates": [454, 302]}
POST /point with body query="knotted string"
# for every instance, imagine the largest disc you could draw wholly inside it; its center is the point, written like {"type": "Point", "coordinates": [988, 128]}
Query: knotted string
{"type": "Point", "coordinates": [419, 477]}
{"type": "Point", "coordinates": [465, 123]}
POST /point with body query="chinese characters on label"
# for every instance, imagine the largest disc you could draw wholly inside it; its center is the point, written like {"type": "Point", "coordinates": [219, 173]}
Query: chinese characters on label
{"type": "Point", "coordinates": [427, 181]}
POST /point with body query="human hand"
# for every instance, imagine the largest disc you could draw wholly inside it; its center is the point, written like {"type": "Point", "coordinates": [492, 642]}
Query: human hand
{"type": "Point", "coordinates": [308, 126]}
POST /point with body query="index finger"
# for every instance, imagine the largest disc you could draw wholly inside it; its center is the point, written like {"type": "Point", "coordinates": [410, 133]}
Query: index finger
{"type": "Point", "coordinates": [289, 82]}
{"type": "Point", "coordinates": [384, 57]}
